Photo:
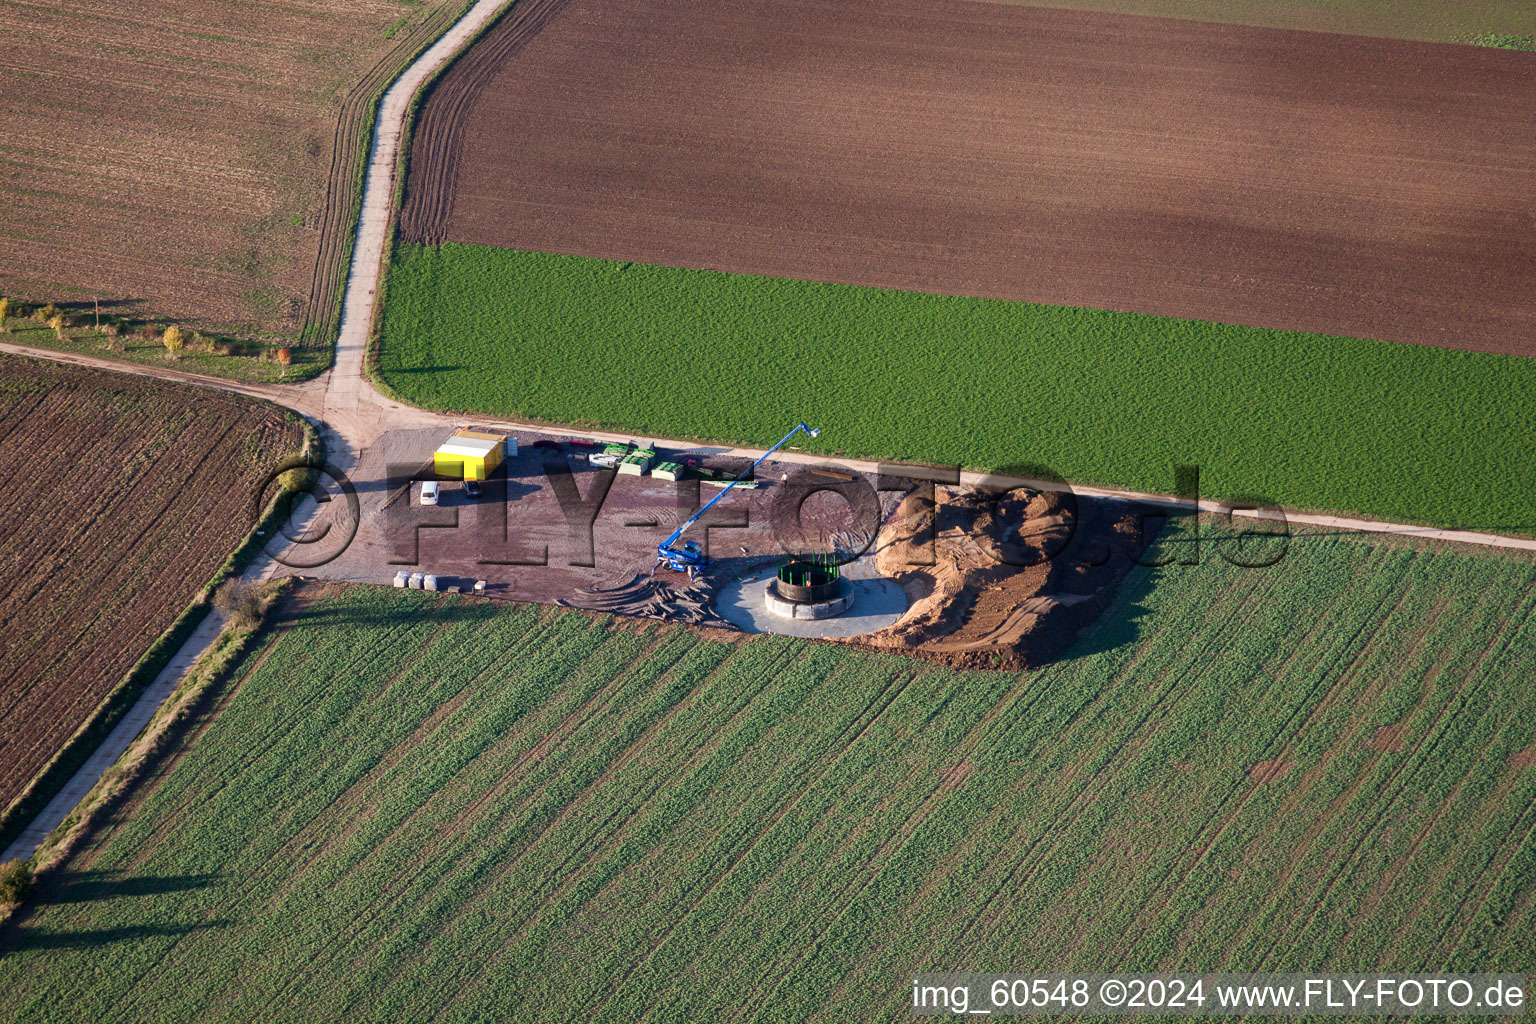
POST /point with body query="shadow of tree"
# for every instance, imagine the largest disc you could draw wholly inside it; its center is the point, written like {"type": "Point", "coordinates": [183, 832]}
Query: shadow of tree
{"type": "Point", "coordinates": [85, 886]}
{"type": "Point", "coordinates": [34, 939]}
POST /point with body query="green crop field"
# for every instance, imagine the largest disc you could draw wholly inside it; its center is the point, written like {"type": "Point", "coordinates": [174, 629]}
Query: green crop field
{"type": "Point", "coordinates": [1431, 20]}
{"type": "Point", "coordinates": [419, 808]}
{"type": "Point", "coordinates": [1396, 432]}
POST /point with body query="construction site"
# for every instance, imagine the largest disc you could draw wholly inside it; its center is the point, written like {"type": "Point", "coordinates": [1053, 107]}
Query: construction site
{"type": "Point", "coordinates": [970, 576]}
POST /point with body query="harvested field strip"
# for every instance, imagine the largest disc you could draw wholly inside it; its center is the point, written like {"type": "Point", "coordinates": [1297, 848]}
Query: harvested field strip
{"type": "Point", "coordinates": [530, 806]}
{"type": "Point", "coordinates": [123, 498]}
{"type": "Point", "coordinates": [1100, 397]}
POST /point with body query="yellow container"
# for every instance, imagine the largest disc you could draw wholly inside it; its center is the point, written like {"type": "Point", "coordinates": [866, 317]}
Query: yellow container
{"type": "Point", "coordinates": [470, 454]}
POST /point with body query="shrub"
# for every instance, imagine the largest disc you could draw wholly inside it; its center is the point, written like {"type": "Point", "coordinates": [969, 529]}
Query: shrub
{"type": "Point", "coordinates": [43, 314]}
{"type": "Point", "coordinates": [5, 308]}
{"type": "Point", "coordinates": [57, 323]}
{"type": "Point", "coordinates": [172, 341]}
{"type": "Point", "coordinates": [149, 332]}
{"type": "Point", "coordinates": [241, 602]}
{"type": "Point", "coordinates": [15, 880]}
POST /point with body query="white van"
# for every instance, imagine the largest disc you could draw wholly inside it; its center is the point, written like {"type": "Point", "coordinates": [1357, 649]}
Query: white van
{"type": "Point", "coordinates": [429, 493]}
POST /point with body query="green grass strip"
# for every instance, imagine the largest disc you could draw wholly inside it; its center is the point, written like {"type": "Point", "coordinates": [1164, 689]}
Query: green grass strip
{"type": "Point", "coordinates": [1397, 432]}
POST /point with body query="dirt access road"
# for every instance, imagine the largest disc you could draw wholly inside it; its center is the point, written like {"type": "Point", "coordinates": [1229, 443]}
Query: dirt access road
{"type": "Point", "coordinates": [1299, 180]}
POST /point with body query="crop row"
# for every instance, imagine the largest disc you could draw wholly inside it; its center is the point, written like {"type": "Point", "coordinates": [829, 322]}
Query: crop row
{"type": "Point", "coordinates": [1399, 432]}
{"type": "Point", "coordinates": [424, 808]}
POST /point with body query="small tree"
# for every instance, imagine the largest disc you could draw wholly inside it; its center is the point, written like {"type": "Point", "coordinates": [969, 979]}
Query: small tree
{"type": "Point", "coordinates": [172, 341]}
{"type": "Point", "coordinates": [110, 332]}
{"type": "Point", "coordinates": [15, 880]}
{"type": "Point", "coordinates": [57, 323]}
{"type": "Point", "coordinates": [241, 602]}
{"type": "Point", "coordinates": [5, 309]}
{"type": "Point", "coordinates": [42, 314]}
{"type": "Point", "coordinates": [284, 357]}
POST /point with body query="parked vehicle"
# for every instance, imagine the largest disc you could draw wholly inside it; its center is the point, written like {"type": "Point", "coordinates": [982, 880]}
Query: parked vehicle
{"type": "Point", "coordinates": [429, 493]}
{"type": "Point", "coordinates": [472, 488]}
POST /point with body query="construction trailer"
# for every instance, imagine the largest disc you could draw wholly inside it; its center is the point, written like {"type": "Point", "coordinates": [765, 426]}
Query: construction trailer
{"type": "Point", "coordinates": [472, 453]}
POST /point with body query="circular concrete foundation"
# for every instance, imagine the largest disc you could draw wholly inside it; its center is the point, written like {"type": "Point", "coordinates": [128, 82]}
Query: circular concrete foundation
{"type": "Point", "coordinates": [833, 601]}
{"type": "Point", "coordinates": [871, 602]}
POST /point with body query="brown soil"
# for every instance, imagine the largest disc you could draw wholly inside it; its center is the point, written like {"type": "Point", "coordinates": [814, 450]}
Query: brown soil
{"type": "Point", "coordinates": [970, 608]}
{"type": "Point", "coordinates": [1269, 771]}
{"type": "Point", "coordinates": [1524, 759]}
{"type": "Point", "coordinates": [1329, 183]}
{"type": "Point", "coordinates": [123, 496]}
{"type": "Point", "coordinates": [1389, 737]}
{"type": "Point", "coordinates": [190, 160]}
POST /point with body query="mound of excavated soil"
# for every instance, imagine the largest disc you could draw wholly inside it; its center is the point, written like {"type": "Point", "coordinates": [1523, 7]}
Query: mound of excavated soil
{"type": "Point", "coordinates": [998, 584]}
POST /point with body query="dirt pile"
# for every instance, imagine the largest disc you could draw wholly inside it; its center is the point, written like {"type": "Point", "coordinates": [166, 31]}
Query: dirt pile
{"type": "Point", "coordinates": [998, 582]}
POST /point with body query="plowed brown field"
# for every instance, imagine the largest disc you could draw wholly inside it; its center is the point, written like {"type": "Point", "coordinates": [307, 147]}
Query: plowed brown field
{"type": "Point", "coordinates": [191, 160]}
{"type": "Point", "coordinates": [122, 497]}
{"type": "Point", "coordinates": [1329, 183]}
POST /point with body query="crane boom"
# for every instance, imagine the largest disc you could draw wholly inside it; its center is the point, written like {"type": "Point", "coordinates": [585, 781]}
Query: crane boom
{"type": "Point", "coordinates": [690, 558]}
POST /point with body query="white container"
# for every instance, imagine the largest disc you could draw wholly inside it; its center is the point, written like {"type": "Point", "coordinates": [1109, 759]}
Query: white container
{"type": "Point", "coordinates": [429, 582]}
{"type": "Point", "coordinates": [415, 581]}
{"type": "Point", "coordinates": [479, 586]}
{"type": "Point", "coordinates": [402, 578]}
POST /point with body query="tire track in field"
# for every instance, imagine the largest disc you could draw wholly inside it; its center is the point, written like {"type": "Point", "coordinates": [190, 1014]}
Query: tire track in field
{"type": "Point", "coordinates": [1513, 851]}
{"type": "Point", "coordinates": [842, 743]}
{"type": "Point", "coordinates": [1028, 684]}
{"type": "Point", "coordinates": [385, 900]}
{"type": "Point", "coordinates": [275, 727]}
{"type": "Point", "coordinates": [178, 750]}
{"type": "Point", "coordinates": [1280, 743]}
{"type": "Point", "coordinates": [1393, 788]}
{"type": "Point", "coordinates": [269, 866]}
{"type": "Point", "coordinates": [465, 861]}
{"type": "Point", "coordinates": [1243, 609]}
{"type": "Point", "coordinates": [613, 828]}
{"type": "Point", "coordinates": [349, 155]}
{"type": "Point", "coordinates": [606, 834]}
{"type": "Point", "coordinates": [284, 863]}
{"type": "Point", "coordinates": [1504, 850]}
{"type": "Point", "coordinates": [1294, 862]}
{"type": "Point", "coordinates": [1013, 722]}
{"type": "Point", "coordinates": [23, 757]}
{"type": "Point", "coordinates": [438, 139]}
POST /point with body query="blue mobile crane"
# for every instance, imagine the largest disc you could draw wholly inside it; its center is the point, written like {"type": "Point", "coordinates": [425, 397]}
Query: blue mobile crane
{"type": "Point", "coordinates": [690, 557]}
